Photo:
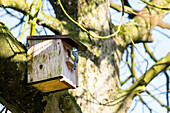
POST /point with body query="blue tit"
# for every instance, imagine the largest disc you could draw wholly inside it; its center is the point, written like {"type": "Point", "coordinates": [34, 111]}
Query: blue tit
{"type": "Point", "coordinates": [75, 56]}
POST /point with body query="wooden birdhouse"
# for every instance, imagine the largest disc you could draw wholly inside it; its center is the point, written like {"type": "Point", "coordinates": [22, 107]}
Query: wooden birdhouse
{"type": "Point", "coordinates": [50, 66]}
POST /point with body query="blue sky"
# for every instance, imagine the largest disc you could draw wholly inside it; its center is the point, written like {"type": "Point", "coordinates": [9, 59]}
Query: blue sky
{"type": "Point", "coordinates": [160, 48]}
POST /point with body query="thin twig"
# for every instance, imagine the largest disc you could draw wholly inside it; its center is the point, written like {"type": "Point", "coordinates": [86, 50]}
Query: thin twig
{"type": "Point", "coordinates": [11, 14]}
{"type": "Point", "coordinates": [126, 80]}
{"type": "Point", "coordinates": [27, 19]}
{"type": "Point", "coordinates": [2, 109]}
{"type": "Point", "coordinates": [133, 62]}
{"type": "Point", "coordinates": [35, 17]}
{"type": "Point", "coordinates": [127, 61]}
{"type": "Point", "coordinates": [21, 21]}
{"type": "Point", "coordinates": [25, 26]}
{"type": "Point", "coordinates": [149, 52]}
{"type": "Point", "coordinates": [145, 103]}
{"type": "Point", "coordinates": [158, 100]}
{"type": "Point", "coordinates": [167, 88]}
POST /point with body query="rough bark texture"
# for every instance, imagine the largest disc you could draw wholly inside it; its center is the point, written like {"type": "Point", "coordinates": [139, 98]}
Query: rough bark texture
{"type": "Point", "coordinates": [99, 66]}
{"type": "Point", "coordinates": [99, 89]}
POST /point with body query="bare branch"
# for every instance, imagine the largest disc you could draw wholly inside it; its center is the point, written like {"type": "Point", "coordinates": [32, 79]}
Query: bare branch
{"type": "Point", "coordinates": [127, 61]}
{"type": "Point", "coordinates": [34, 21]}
{"type": "Point", "coordinates": [156, 6]}
{"type": "Point", "coordinates": [145, 103]}
{"type": "Point", "coordinates": [145, 19]}
{"type": "Point", "coordinates": [11, 107]}
{"type": "Point", "coordinates": [160, 66]}
{"type": "Point", "coordinates": [163, 33]}
{"type": "Point", "coordinates": [151, 55]}
{"type": "Point", "coordinates": [119, 8]}
{"type": "Point", "coordinates": [50, 22]}
{"type": "Point", "coordinates": [149, 52]}
{"type": "Point", "coordinates": [126, 80]}
{"type": "Point", "coordinates": [12, 14]}
{"type": "Point", "coordinates": [164, 24]}
{"type": "Point", "coordinates": [133, 62]}
{"type": "Point", "coordinates": [167, 88]}
{"type": "Point", "coordinates": [2, 109]}
{"type": "Point", "coordinates": [156, 69]}
{"type": "Point", "coordinates": [25, 25]}
{"type": "Point", "coordinates": [21, 21]}
{"type": "Point", "coordinates": [167, 77]}
{"type": "Point", "coordinates": [158, 101]}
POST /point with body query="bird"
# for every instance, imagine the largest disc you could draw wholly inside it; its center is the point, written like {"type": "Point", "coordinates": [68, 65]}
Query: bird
{"type": "Point", "coordinates": [74, 56]}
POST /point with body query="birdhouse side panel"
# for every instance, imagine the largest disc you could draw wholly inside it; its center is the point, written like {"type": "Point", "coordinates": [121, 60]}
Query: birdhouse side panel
{"type": "Point", "coordinates": [46, 59]}
{"type": "Point", "coordinates": [68, 70]}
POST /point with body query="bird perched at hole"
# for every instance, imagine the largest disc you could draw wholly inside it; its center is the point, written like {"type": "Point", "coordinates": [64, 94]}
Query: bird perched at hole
{"type": "Point", "coordinates": [74, 56]}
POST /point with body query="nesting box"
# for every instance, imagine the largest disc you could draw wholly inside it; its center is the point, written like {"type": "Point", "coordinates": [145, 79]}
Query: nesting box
{"type": "Point", "coordinates": [49, 66]}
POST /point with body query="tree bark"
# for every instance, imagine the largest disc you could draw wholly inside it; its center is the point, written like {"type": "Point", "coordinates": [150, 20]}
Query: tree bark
{"type": "Point", "coordinates": [98, 67]}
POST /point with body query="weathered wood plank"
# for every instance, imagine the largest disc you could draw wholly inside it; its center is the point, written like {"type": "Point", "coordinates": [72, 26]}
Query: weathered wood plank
{"type": "Point", "coordinates": [66, 38]}
{"type": "Point", "coordinates": [50, 66]}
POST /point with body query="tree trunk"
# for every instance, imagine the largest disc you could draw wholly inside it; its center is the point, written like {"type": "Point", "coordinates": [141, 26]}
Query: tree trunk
{"type": "Point", "coordinates": [99, 66]}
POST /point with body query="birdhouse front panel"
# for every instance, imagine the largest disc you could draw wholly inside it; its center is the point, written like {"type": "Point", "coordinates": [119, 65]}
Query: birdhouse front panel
{"type": "Point", "coordinates": [45, 59]}
{"type": "Point", "coordinates": [69, 64]}
{"type": "Point", "coordinates": [49, 65]}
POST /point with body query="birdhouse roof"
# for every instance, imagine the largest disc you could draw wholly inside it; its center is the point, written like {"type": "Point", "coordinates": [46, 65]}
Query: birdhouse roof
{"type": "Point", "coordinates": [72, 42]}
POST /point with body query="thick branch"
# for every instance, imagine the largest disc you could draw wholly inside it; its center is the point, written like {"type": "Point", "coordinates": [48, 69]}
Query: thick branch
{"type": "Point", "coordinates": [140, 27]}
{"type": "Point", "coordinates": [160, 66]}
{"type": "Point", "coordinates": [119, 8]}
{"type": "Point", "coordinates": [11, 107]}
{"type": "Point", "coordinates": [164, 24]}
{"type": "Point", "coordinates": [167, 77]}
{"type": "Point", "coordinates": [156, 6]}
{"type": "Point", "coordinates": [43, 19]}
{"type": "Point", "coordinates": [139, 85]}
